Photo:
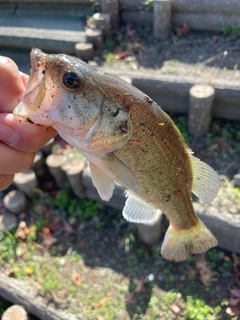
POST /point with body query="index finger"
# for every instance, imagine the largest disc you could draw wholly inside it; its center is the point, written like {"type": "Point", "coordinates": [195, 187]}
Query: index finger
{"type": "Point", "coordinates": [11, 85]}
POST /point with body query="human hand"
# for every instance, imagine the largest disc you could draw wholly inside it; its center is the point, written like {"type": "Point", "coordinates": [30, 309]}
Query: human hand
{"type": "Point", "coordinates": [18, 139]}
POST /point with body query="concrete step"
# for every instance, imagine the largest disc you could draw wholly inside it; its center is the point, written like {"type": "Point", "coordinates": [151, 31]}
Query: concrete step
{"type": "Point", "coordinates": [54, 26]}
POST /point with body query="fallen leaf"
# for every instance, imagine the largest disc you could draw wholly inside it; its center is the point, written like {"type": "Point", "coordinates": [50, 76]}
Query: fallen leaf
{"type": "Point", "coordinates": [76, 278]}
{"type": "Point", "coordinates": [100, 303]}
{"type": "Point", "coordinates": [48, 239]}
{"type": "Point", "coordinates": [204, 269]}
{"type": "Point", "coordinates": [138, 289]}
{"type": "Point", "coordinates": [67, 227]}
{"type": "Point", "coordinates": [181, 32]}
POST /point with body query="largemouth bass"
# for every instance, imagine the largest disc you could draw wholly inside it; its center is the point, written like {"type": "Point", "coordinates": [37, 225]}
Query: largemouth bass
{"type": "Point", "coordinates": [127, 138]}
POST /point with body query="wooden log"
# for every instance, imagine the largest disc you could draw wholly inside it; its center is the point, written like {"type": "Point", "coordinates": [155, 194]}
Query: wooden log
{"type": "Point", "coordinates": [55, 163]}
{"type": "Point", "coordinates": [111, 7]}
{"type": "Point", "coordinates": [150, 233]}
{"type": "Point", "coordinates": [84, 51]}
{"type": "Point", "coordinates": [200, 109]}
{"type": "Point", "coordinates": [172, 92]}
{"type": "Point", "coordinates": [95, 36]}
{"type": "Point", "coordinates": [39, 165]}
{"type": "Point", "coordinates": [27, 182]}
{"type": "Point", "coordinates": [47, 148]}
{"type": "Point", "coordinates": [15, 201]}
{"type": "Point", "coordinates": [73, 170]}
{"type": "Point", "coordinates": [19, 292]}
{"type": "Point", "coordinates": [225, 226]}
{"type": "Point", "coordinates": [138, 18]}
{"type": "Point", "coordinates": [203, 21]}
{"type": "Point", "coordinates": [226, 7]}
{"type": "Point", "coordinates": [133, 5]}
{"type": "Point", "coordinates": [161, 19]}
{"type": "Point", "coordinates": [103, 22]}
{"type": "Point", "coordinates": [15, 312]}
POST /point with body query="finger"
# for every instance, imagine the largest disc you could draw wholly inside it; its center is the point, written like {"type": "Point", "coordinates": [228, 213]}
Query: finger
{"type": "Point", "coordinates": [5, 180]}
{"type": "Point", "coordinates": [13, 160]}
{"type": "Point", "coordinates": [11, 85]}
{"type": "Point", "coordinates": [23, 135]}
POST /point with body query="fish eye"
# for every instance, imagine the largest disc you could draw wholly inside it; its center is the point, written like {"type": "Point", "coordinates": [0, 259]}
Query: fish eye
{"type": "Point", "coordinates": [71, 80]}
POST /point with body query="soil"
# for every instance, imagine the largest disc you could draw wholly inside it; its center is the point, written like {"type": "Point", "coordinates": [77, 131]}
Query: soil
{"type": "Point", "coordinates": [112, 256]}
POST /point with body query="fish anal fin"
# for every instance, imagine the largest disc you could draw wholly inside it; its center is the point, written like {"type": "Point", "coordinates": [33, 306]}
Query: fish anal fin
{"type": "Point", "coordinates": [138, 211]}
{"type": "Point", "coordinates": [102, 182]}
{"type": "Point", "coordinates": [206, 182]}
{"type": "Point", "coordinates": [122, 173]}
{"type": "Point", "coordinates": [179, 245]}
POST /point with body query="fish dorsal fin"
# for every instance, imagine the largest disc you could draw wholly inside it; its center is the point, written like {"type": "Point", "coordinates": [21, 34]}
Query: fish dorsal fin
{"type": "Point", "coordinates": [122, 173]}
{"type": "Point", "coordinates": [138, 211]}
{"type": "Point", "coordinates": [206, 181]}
{"type": "Point", "coordinates": [101, 181]}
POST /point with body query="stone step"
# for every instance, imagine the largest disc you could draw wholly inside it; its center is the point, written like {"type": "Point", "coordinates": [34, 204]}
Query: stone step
{"type": "Point", "coordinates": [48, 40]}
{"type": "Point", "coordinates": [54, 26]}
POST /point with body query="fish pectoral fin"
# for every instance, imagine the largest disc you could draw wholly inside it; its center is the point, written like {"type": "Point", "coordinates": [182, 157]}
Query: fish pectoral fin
{"type": "Point", "coordinates": [122, 173]}
{"type": "Point", "coordinates": [138, 211]}
{"type": "Point", "coordinates": [179, 245]}
{"type": "Point", "coordinates": [206, 182]}
{"type": "Point", "coordinates": [102, 182]}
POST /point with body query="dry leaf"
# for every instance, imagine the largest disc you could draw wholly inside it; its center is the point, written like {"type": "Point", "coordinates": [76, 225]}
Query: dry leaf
{"type": "Point", "coordinates": [100, 303]}
{"type": "Point", "coordinates": [76, 278]}
{"type": "Point", "coordinates": [204, 269]}
{"type": "Point", "coordinates": [183, 31]}
{"type": "Point", "coordinates": [48, 239]}
{"type": "Point", "coordinates": [67, 227]}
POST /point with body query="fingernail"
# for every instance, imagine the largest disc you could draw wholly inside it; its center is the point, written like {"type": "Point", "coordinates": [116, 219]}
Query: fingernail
{"type": "Point", "coordinates": [7, 134]}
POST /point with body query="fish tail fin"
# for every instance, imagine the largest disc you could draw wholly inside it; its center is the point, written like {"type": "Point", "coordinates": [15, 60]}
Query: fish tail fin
{"type": "Point", "coordinates": [179, 245]}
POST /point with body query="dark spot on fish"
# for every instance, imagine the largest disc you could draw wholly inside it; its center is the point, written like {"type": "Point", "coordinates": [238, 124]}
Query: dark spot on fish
{"type": "Point", "coordinates": [47, 129]}
{"type": "Point", "coordinates": [152, 133]}
{"type": "Point", "coordinates": [141, 123]}
{"type": "Point", "coordinates": [46, 116]}
{"type": "Point", "coordinates": [177, 193]}
{"type": "Point", "coordinates": [29, 67]}
{"type": "Point", "coordinates": [149, 100]}
{"type": "Point", "coordinates": [29, 120]}
{"type": "Point", "coordinates": [163, 139]}
{"type": "Point", "coordinates": [115, 113]}
{"type": "Point", "coordinates": [69, 107]}
{"type": "Point", "coordinates": [123, 127]}
{"type": "Point", "coordinates": [43, 72]}
{"type": "Point", "coordinates": [38, 107]}
{"type": "Point", "coordinates": [20, 120]}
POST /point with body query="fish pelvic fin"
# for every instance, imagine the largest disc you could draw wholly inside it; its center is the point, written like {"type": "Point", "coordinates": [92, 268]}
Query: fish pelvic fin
{"type": "Point", "coordinates": [139, 211]}
{"type": "Point", "coordinates": [104, 184]}
{"type": "Point", "coordinates": [179, 245]}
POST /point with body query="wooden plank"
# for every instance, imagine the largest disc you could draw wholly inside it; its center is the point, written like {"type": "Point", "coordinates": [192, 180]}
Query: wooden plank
{"type": "Point", "coordinates": [203, 21]}
{"type": "Point", "coordinates": [226, 7]}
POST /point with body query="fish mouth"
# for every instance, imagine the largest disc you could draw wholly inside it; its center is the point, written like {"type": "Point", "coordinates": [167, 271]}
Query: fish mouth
{"type": "Point", "coordinates": [35, 88]}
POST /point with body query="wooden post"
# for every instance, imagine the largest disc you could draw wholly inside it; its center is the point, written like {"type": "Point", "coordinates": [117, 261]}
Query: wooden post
{"type": "Point", "coordinates": [95, 36]}
{"type": "Point", "coordinates": [47, 148]}
{"type": "Point", "coordinates": [39, 165]}
{"type": "Point", "coordinates": [162, 19]}
{"type": "Point", "coordinates": [55, 163]}
{"type": "Point", "coordinates": [73, 170]}
{"type": "Point", "coordinates": [15, 312]}
{"type": "Point", "coordinates": [15, 201]}
{"type": "Point", "coordinates": [27, 182]}
{"type": "Point", "coordinates": [103, 22]}
{"type": "Point", "coordinates": [150, 233]}
{"type": "Point", "coordinates": [200, 109]}
{"type": "Point", "coordinates": [111, 7]}
{"type": "Point", "coordinates": [84, 51]}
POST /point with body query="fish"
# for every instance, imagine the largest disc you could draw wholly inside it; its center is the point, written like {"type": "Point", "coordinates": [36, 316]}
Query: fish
{"type": "Point", "coordinates": [127, 138]}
